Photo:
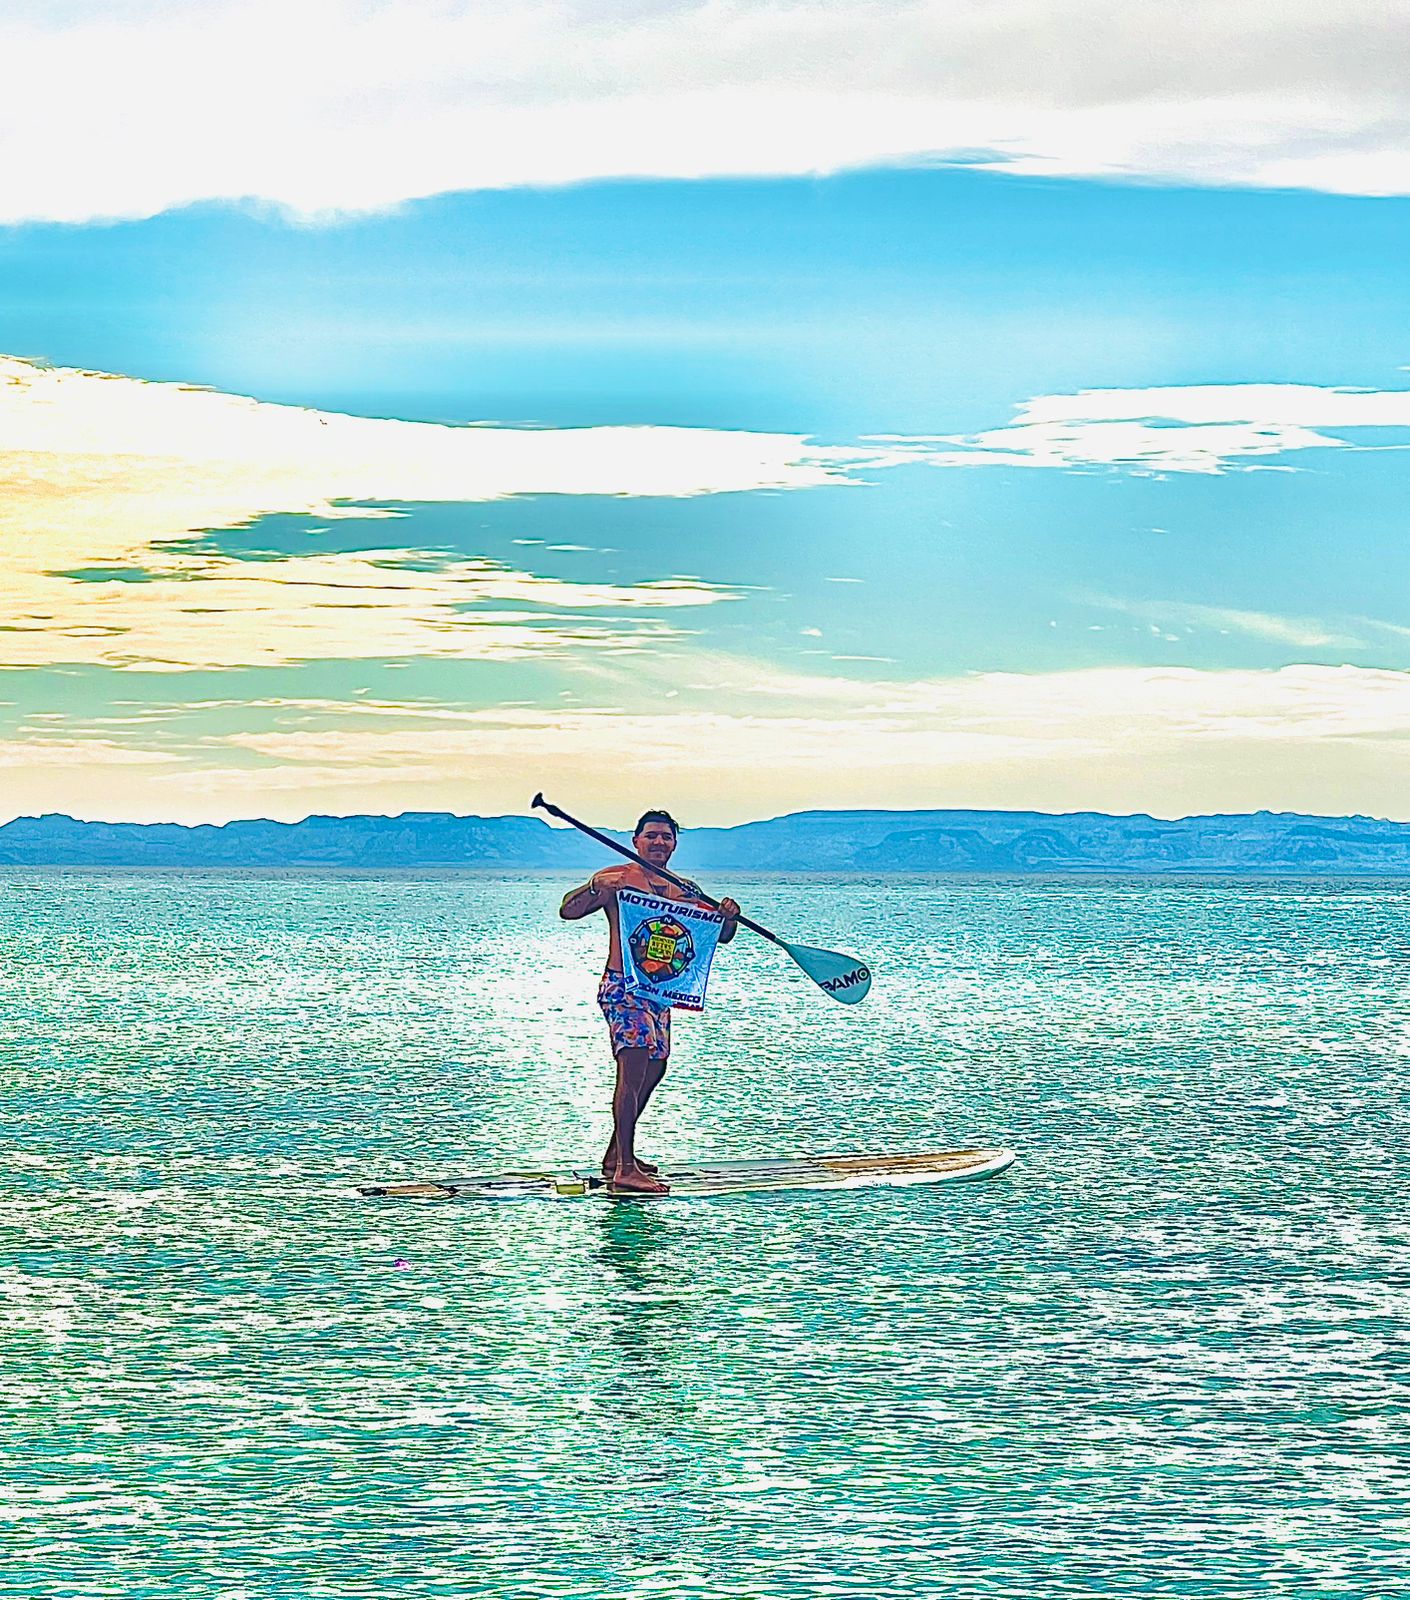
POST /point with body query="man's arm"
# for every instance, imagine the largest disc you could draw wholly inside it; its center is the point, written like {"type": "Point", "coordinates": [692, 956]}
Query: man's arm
{"type": "Point", "coordinates": [595, 895]}
{"type": "Point", "coordinates": [582, 902]}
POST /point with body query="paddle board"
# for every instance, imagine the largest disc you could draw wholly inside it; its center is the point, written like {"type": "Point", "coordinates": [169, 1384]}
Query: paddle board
{"type": "Point", "coordinates": [713, 1178]}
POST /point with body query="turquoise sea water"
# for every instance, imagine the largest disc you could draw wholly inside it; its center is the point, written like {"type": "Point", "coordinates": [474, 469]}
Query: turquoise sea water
{"type": "Point", "coordinates": [1165, 1355]}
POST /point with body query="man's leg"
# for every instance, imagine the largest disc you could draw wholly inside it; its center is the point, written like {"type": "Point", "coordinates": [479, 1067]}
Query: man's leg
{"type": "Point", "coordinates": [635, 1070]}
{"type": "Point", "coordinates": [655, 1071]}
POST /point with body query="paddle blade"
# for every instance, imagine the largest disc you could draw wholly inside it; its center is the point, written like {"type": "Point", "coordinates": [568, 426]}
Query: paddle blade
{"type": "Point", "coordinates": [843, 977]}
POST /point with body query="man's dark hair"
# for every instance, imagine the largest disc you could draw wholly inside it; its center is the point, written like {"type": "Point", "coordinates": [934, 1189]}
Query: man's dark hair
{"type": "Point", "coordinates": [657, 816]}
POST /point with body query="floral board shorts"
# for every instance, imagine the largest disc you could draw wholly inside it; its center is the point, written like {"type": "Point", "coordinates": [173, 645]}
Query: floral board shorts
{"type": "Point", "coordinates": [634, 1023]}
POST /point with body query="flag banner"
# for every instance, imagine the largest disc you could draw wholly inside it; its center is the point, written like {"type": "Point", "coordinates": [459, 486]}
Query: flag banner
{"type": "Point", "coordinates": [667, 948]}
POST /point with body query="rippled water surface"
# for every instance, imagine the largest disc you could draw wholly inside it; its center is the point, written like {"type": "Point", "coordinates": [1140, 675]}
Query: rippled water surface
{"type": "Point", "coordinates": [1165, 1355]}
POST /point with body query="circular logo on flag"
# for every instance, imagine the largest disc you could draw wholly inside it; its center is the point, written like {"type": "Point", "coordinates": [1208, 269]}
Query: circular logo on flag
{"type": "Point", "coordinates": [661, 948]}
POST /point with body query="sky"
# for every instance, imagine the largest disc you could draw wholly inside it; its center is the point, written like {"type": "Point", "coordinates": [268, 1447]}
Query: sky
{"type": "Point", "coordinates": [738, 407]}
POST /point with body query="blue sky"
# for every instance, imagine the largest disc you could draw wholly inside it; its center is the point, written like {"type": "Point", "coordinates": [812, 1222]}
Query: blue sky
{"type": "Point", "coordinates": [943, 481]}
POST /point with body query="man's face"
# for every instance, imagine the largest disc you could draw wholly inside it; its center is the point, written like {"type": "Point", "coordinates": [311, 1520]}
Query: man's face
{"type": "Point", "coordinates": [655, 842]}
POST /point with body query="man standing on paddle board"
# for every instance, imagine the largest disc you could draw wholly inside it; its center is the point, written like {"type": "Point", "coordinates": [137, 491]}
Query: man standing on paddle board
{"type": "Point", "coordinates": [640, 1029]}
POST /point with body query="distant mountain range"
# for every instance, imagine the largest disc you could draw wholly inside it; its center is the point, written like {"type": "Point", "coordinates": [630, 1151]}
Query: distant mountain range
{"type": "Point", "coordinates": [808, 841]}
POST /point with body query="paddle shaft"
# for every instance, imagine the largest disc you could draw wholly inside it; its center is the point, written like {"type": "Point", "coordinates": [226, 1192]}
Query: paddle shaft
{"type": "Point", "coordinates": [631, 855]}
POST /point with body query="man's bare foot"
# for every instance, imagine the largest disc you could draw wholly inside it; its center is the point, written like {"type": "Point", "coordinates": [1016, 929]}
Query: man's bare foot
{"type": "Point", "coordinates": [637, 1180]}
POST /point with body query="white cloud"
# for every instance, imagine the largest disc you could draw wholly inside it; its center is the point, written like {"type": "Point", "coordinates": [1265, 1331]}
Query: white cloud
{"type": "Point", "coordinates": [1108, 709]}
{"type": "Point", "coordinates": [1303, 632]}
{"type": "Point", "coordinates": [103, 473]}
{"type": "Point", "coordinates": [1395, 628]}
{"type": "Point", "coordinates": [71, 756]}
{"type": "Point", "coordinates": [750, 741]}
{"type": "Point", "coordinates": [1196, 428]}
{"type": "Point", "coordinates": [127, 109]}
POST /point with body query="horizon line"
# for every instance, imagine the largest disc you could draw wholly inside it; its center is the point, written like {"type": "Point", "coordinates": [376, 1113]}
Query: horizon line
{"type": "Point", "coordinates": [845, 811]}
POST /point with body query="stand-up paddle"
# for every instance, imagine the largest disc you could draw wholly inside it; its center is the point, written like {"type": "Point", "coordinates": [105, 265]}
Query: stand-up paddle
{"type": "Point", "coordinates": [841, 976]}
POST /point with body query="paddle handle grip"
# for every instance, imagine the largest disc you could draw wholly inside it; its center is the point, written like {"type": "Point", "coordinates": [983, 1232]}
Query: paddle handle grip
{"type": "Point", "coordinates": [540, 804]}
